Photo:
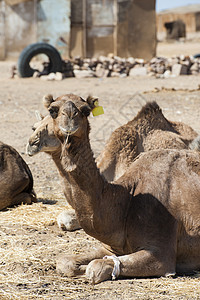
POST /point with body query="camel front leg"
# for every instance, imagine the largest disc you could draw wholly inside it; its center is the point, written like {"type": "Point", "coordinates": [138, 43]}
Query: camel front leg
{"type": "Point", "coordinates": [73, 265]}
{"type": "Point", "coordinates": [139, 264]}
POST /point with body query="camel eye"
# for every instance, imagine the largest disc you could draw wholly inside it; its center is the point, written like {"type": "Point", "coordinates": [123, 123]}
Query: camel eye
{"type": "Point", "coordinates": [76, 113]}
{"type": "Point", "coordinates": [33, 128]}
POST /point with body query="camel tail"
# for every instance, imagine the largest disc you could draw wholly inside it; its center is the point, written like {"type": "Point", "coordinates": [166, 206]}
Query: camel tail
{"type": "Point", "coordinates": [195, 144]}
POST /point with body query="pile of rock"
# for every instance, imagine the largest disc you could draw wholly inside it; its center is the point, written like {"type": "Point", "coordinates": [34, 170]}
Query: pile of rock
{"type": "Point", "coordinates": [114, 66]}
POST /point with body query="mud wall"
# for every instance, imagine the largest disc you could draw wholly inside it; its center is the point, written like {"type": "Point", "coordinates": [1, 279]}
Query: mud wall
{"type": "Point", "coordinates": [191, 20]}
{"type": "Point", "coordinates": [34, 21]}
{"type": "Point", "coordinates": [17, 28]}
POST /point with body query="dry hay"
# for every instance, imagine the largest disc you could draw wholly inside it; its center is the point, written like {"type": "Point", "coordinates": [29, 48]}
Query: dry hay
{"type": "Point", "coordinates": [30, 241]}
{"type": "Point", "coordinates": [29, 236]}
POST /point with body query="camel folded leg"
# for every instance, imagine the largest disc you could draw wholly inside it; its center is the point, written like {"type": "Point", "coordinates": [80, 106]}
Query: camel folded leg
{"type": "Point", "coordinates": [139, 264]}
{"type": "Point", "coordinates": [18, 199]}
{"type": "Point", "coordinates": [73, 265]}
{"type": "Point", "coordinates": [24, 198]}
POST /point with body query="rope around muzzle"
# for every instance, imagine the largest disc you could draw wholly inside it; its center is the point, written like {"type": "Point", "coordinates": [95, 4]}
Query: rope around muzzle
{"type": "Point", "coordinates": [63, 148]}
{"type": "Point", "coordinates": [116, 269]}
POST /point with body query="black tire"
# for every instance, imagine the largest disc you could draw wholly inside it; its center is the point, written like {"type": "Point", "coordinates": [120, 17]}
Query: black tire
{"type": "Point", "coordinates": [197, 55]}
{"type": "Point", "coordinates": [55, 61]}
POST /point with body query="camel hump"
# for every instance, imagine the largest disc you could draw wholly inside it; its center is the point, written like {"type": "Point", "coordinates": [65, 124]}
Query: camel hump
{"type": "Point", "coordinates": [150, 108]}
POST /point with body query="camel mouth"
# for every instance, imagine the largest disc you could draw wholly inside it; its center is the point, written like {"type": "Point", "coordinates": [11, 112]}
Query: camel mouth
{"type": "Point", "coordinates": [32, 150]}
{"type": "Point", "coordinates": [68, 131]}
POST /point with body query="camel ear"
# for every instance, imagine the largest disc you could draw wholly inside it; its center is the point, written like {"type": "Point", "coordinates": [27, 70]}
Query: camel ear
{"type": "Point", "coordinates": [91, 101]}
{"type": "Point", "coordinates": [53, 110]}
{"type": "Point", "coordinates": [94, 105]}
{"type": "Point", "coordinates": [38, 115]}
{"type": "Point", "coordinates": [47, 100]}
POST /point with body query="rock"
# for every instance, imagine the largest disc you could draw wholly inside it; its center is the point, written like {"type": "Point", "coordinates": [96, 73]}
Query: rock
{"type": "Point", "coordinates": [138, 71]}
{"type": "Point", "coordinates": [178, 69]}
{"type": "Point", "coordinates": [59, 76]}
{"type": "Point", "coordinates": [167, 74]}
{"type": "Point", "coordinates": [194, 67]}
{"type": "Point", "coordinates": [84, 73]}
{"type": "Point", "coordinates": [139, 60]}
{"type": "Point", "coordinates": [115, 74]}
{"type": "Point", "coordinates": [131, 60]}
{"type": "Point", "coordinates": [115, 66]}
{"type": "Point", "coordinates": [36, 74]}
{"type": "Point", "coordinates": [67, 220]}
{"type": "Point", "coordinates": [44, 77]}
{"type": "Point", "coordinates": [101, 72]}
{"type": "Point", "coordinates": [160, 69]}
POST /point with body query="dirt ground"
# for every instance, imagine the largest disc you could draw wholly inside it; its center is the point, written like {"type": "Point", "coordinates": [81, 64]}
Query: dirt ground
{"type": "Point", "coordinates": [29, 236]}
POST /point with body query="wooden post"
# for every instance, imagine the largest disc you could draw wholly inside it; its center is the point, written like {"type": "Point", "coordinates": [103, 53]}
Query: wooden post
{"type": "Point", "coordinates": [115, 13]}
{"type": "Point", "coordinates": [35, 19]}
{"type": "Point", "coordinates": [84, 38]}
{"type": "Point", "coordinates": [2, 31]}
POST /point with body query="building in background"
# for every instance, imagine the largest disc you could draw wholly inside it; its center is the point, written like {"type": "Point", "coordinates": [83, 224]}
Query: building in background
{"type": "Point", "coordinates": [189, 14]}
{"type": "Point", "coordinates": [86, 28]}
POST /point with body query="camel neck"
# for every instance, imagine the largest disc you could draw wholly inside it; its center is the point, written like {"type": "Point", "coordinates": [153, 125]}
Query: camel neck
{"type": "Point", "coordinates": [56, 156]}
{"type": "Point", "coordinates": [94, 198]}
{"type": "Point", "coordinates": [78, 161]}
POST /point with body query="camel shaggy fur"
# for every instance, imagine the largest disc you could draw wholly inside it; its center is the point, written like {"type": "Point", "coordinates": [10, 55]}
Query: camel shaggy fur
{"type": "Point", "coordinates": [148, 220]}
{"type": "Point", "coordinates": [147, 131]}
{"type": "Point", "coordinates": [16, 181]}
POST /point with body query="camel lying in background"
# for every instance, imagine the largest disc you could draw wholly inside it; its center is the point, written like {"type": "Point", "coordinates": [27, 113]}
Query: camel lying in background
{"type": "Point", "coordinates": [148, 220]}
{"type": "Point", "coordinates": [147, 131]}
{"type": "Point", "coordinates": [16, 181]}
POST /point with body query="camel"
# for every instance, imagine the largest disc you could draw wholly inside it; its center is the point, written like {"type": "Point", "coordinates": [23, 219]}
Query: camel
{"type": "Point", "coordinates": [148, 219]}
{"type": "Point", "coordinates": [147, 131]}
{"type": "Point", "coordinates": [16, 181]}
{"type": "Point", "coordinates": [43, 139]}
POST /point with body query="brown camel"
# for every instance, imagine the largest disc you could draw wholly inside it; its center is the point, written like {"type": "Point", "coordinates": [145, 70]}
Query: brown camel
{"type": "Point", "coordinates": [148, 220]}
{"type": "Point", "coordinates": [43, 139]}
{"type": "Point", "coordinates": [147, 131]}
{"type": "Point", "coordinates": [16, 181]}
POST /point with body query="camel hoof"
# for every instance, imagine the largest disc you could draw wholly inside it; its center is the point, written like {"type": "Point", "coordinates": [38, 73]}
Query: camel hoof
{"type": "Point", "coordinates": [67, 220]}
{"type": "Point", "coordinates": [99, 270]}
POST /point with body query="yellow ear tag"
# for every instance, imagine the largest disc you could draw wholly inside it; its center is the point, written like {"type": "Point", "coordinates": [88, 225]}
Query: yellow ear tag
{"type": "Point", "coordinates": [98, 110]}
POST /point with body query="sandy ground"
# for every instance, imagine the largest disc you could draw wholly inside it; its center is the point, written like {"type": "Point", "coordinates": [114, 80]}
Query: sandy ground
{"type": "Point", "coordinates": [30, 238]}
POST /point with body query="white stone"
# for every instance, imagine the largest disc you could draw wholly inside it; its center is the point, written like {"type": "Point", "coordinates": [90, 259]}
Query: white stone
{"type": "Point", "coordinates": [178, 69]}
{"type": "Point", "coordinates": [59, 76]}
{"type": "Point", "coordinates": [167, 74]}
{"type": "Point", "coordinates": [83, 73]}
{"type": "Point", "coordinates": [138, 71]}
{"type": "Point", "coordinates": [67, 220]}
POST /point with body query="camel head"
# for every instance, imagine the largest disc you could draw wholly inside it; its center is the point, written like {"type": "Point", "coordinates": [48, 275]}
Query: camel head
{"type": "Point", "coordinates": [43, 138]}
{"type": "Point", "coordinates": [69, 113]}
